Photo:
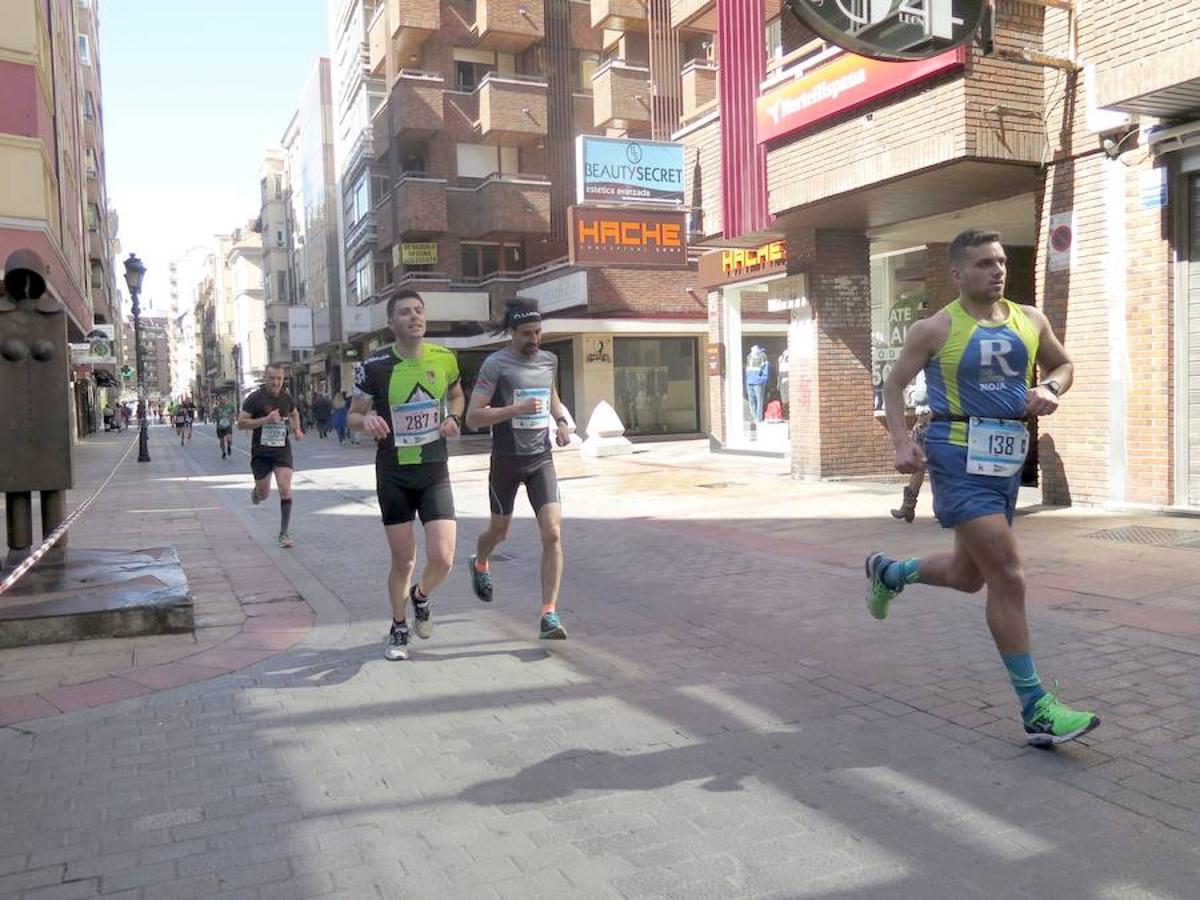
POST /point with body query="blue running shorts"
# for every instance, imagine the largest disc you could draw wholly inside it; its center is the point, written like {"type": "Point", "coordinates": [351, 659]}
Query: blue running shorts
{"type": "Point", "coordinates": [959, 497]}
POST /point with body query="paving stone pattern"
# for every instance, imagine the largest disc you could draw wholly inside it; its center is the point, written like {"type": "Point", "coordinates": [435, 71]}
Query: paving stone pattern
{"type": "Point", "coordinates": [725, 720]}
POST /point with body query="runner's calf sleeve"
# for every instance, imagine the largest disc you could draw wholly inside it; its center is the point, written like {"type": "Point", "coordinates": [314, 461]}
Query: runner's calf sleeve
{"type": "Point", "coordinates": [285, 514]}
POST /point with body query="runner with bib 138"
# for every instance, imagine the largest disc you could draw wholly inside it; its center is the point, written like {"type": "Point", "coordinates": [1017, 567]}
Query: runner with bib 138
{"type": "Point", "coordinates": [978, 355]}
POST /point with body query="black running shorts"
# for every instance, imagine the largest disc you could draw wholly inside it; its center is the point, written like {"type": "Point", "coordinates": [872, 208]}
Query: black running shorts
{"type": "Point", "coordinates": [508, 473]}
{"type": "Point", "coordinates": [419, 489]}
{"type": "Point", "coordinates": [263, 464]}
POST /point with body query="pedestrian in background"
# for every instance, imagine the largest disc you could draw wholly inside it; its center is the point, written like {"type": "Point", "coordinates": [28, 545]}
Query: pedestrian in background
{"type": "Point", "coordinates": [323, 412]}
{"type": "Point", "coordinates": [303, 409]}
{"type": "Point", "coordinates": [339, 416]}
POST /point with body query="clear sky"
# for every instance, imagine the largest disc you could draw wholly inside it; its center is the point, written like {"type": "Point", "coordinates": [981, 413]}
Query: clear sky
{"type": "Point", "coordinates": [194, 93]}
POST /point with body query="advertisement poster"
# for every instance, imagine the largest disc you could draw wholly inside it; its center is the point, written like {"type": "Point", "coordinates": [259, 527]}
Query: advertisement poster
{"type": "Point", "coordinates": [422, 254]}
{"type": "Point", "coordinates": [100, 348]}
{"type": "Point", "coordinates": [617, 170]}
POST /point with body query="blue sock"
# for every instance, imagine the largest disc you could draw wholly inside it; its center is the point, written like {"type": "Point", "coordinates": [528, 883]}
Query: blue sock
{"type": "Point", "coordinates": [899, 573]}
{"type": "Point", "coordinates": [1025, 681]}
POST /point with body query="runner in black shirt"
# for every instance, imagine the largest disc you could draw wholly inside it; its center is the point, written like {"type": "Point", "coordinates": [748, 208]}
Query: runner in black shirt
{"type": "Point", "coordinates": [268, 412]}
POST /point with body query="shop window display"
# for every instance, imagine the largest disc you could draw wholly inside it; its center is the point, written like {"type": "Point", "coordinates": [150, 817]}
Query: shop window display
{"type": "Point", "coordinates": [898, 299]}
{"type": "Point", "coordinates": [656, 386]}
{"type": "Point", "coordinates": [764, 380]}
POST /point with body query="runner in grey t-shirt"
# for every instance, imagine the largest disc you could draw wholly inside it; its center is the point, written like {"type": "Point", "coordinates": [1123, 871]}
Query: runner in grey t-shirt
{"type": "Point", "coordinates": [516, 396]}
{"type": "Point", "coordinates": [514, 378]}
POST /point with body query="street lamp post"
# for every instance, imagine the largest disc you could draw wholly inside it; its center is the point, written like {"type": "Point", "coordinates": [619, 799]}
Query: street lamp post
{"type": "Point", "coordinates": [237, 372]}
{"type": "Point", "coordinates": [135, 271]}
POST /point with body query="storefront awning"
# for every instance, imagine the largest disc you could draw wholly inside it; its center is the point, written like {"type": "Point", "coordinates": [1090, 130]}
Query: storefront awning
{"type": "Point", "coordinates": [933, 192]}
{"type": "Point", "coordinates": [1164, 84]}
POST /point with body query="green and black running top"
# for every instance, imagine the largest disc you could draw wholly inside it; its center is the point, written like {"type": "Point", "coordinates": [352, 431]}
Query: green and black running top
{"type": "Point", "coordinates": [411, 395]}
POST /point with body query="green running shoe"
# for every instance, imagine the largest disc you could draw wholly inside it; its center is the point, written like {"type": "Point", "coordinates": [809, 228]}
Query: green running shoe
{"type": "Point", "coordinates": [879, 595]}
{"type": "Point", "coordinates": [1053, 722]}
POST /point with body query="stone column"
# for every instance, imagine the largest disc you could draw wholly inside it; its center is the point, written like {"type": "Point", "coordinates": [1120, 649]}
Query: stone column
{"type": "Point", "coordinates": [716, 385]}
{"type": "Point", "coordinates": [834, 432]}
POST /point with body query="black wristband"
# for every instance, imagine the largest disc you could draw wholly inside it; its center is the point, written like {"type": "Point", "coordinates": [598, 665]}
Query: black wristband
{"type": "Point", "coordinates": [562, 420]}
{"type": "Point", "coordinates": [456, 417]}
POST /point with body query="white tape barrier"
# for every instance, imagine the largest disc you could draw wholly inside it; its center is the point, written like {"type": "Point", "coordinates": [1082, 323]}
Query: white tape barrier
{"type": "Point", "coordinates": [58, 532]}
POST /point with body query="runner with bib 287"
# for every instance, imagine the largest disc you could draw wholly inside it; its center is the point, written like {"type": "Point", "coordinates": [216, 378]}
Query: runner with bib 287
{"type": "Point", "coordinates": [978, 355]}
{"type": "Point", "coordinates": [409, 398]}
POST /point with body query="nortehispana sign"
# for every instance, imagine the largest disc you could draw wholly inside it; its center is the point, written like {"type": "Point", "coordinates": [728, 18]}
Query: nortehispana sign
{"type": "Point", "coordinates": [844, 82]}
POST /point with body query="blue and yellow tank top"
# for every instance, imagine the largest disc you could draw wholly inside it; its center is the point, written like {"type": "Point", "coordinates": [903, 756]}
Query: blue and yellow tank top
{"type": "Point", "coordinates": [983, 369]}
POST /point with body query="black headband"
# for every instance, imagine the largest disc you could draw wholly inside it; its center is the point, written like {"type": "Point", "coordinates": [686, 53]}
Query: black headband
{"type": "Point", "coordinates": [522, 317]}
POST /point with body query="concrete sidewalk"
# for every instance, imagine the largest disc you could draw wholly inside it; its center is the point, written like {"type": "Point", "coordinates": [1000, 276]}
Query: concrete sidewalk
{"type": "Point", "coordinates": [725, 721]}
{"type": "Point", "coordinates": [245, 610]}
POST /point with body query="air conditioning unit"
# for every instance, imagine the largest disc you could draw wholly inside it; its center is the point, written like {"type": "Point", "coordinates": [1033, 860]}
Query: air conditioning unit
{"type": "Point", "coordinates": [1179, 137]}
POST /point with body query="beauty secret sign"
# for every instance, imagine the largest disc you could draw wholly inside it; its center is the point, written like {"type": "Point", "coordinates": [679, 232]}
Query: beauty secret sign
{"type": "Point", "coordinates": [617, 170]}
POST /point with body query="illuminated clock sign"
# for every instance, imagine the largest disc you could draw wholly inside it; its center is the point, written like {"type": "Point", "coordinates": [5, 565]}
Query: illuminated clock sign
{"type": "Point", "coordinates": [892, 29]}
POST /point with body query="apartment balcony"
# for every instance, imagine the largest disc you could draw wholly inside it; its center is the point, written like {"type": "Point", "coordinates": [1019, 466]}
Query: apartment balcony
{"type": "Point", "coordinates": [512, 109]}
{"type": "Point", "coordinates": [509, 26]}
{"type": "Point", "coordinates": [621, 95]}
{"type": "Point", "coordinates": [502, 205]}
{"type": "Point", "coordinates": [96, 246]}
{"type": "Point", "coordinates": [701, 15]}
{"type": "Point", "coordinates": [582, 111]}
{"type": "Point", "coordinates": [699, 86]}
{"type": "Point", "coordinates": [416, 104]}
{"type": "Point", "coordinates": [362, 232]}
{"type": "Point", "coordinates": [416, 205]}
{"type": "Point", "coordinates": [694, 15]}
{"type": "Point", "coordinates": [401, 27]}
{"type": "Point", "coordinates": [422, 281]}
{"type": "Point", "coordinates": [619, 15]}
{"type": "Point", "coordinates": [378, 43]}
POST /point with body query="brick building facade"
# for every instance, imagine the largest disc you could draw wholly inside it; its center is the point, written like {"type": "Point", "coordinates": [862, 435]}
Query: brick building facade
{"type": "Point", "coordinates": [53, 175]}
{"type": "Point", "coordinates": [473, 173]}
{"type": "Point", "coordinates": [866, 193]}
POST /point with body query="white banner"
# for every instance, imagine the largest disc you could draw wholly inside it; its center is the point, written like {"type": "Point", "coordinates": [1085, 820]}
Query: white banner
{"type": "Point", "coordinates": [356, 319]}
{"type": "Point", "coordinates": [300, 328]}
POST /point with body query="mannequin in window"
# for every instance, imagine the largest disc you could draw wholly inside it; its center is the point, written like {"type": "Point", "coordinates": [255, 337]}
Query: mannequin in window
{"type": "Point", "coordinates": [774, 409]}
{"type": "Point", "coordinates": [658, 396]}
{"type": "Point", "coordinates": [629, 392]}
{"type": "Point", "coordinates": [758, 372]}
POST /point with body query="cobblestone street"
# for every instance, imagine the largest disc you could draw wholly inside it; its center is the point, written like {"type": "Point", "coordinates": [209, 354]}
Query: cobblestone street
{"type": "Point", "coordinates": [725, 720]}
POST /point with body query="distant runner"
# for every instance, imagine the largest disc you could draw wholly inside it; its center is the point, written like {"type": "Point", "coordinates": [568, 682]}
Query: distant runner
{"type": "Point", "coordinates": [515, 395]}
{"type": "Point", "coordinates": [223, 415]}
{"type": "Point", "coordinates": [179, 417]}
{"type": "Point", "coordinates": [978, 355]}
{"type": "Point", "coordinates": [270, 413]}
